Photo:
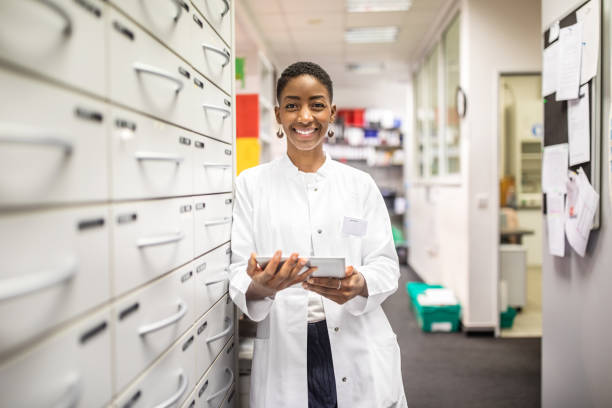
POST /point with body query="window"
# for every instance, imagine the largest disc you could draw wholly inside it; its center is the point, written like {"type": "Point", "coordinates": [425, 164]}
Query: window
{"type": "Point", "coordinates": [437, 132]}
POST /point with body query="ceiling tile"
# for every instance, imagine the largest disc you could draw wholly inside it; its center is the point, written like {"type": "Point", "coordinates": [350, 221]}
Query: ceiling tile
{"type": "Point", "coordinates": [261, 7]}
{"type": "Point", "coordinates": [315, 21]}
{"type": "Point", "coordinates": [319, 6]}
{"type": "Point", "coordinates": [376, 19]}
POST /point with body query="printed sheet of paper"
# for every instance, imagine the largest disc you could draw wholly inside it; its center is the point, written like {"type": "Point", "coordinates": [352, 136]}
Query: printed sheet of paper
{"type": "Point", "coordinates": [578, 228]}
{"type": "Point", "coordinates": [553, 33]}
{"type": "Point", "coordinates": [568, 71]}
{"type": "Point", "coordinates": [550, 62]}
{"type": "Point", "coordinates": [555, 220]}
{"type": "Point", "coordinates": [589, 16]}
{"type": "Point", "coordinates": [554, 168]}
{"type": "Point", "coordinates": [579, 128]}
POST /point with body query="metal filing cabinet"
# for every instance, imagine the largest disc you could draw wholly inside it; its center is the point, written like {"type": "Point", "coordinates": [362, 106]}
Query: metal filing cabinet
{"type": "Point", "coordinates": [116, 190]}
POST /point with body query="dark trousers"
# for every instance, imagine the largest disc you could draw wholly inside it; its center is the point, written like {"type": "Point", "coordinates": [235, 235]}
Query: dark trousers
{"type": "Point", "coordinates": [321, 380]}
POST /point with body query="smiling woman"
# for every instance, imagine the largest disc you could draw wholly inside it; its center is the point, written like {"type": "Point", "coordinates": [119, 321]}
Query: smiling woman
{"type": "Point", "coordinates": [321, 342]}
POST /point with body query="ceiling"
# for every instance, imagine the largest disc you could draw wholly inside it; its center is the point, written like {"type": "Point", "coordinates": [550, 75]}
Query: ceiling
{"type": "Point", "coordinates": [313, 30]}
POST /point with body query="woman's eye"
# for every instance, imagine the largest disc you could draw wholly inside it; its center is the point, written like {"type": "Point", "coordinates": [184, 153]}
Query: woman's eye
{"type": "Point", "coordinates": [290, 106]}
{"type": "Point", "coordinates": [318, 106]}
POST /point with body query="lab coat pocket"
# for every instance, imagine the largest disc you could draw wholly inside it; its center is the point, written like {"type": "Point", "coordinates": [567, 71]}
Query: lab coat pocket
{"type": "Point", "coordinates": [387, 368]}
{"type": "Point", "coordinates": [293, 309]}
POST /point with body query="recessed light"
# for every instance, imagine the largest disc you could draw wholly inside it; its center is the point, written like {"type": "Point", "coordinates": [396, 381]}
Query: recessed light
{"type": "Point", "coordinates": [364, 6]}
{"type": "Point", "coordinates": [366, 35]}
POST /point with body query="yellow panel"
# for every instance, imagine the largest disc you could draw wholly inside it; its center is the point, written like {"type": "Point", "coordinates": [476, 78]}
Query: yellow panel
{"type": "Point", "coordinates": [247, 153]}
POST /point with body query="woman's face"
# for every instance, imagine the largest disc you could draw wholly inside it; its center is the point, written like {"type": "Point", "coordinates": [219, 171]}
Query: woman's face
{"type": "Point", "coordinates": [305, 111]}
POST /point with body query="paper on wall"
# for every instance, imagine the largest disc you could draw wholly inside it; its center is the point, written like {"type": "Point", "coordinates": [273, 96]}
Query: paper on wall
{"type": "Point", "coordinates": [578, 227]}
{"type": "Point", "coordinates": [554, 168]}
{"type": "Point", "coordinates": [550, 62]}
{"type": "Point", "coordinates": [568, 72]}
{"type": "Point", "coordinates": [579, 128]}
{"type": "Point", "coordinates": [553, 33]}
{"type": "Point", "coordinates": [555, 220]}
{"type": "Point", "coordinates": [589, 16]}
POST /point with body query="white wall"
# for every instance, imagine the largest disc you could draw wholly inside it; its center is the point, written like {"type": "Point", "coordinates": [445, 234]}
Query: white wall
{"type": "Point", "coordinates": [496, 36]}
{"type": "Point", "coordinates": [384, 95]}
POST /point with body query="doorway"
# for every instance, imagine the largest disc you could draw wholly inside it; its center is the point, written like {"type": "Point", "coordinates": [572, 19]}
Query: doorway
{"type": "Point", "coordinates": [520, 198]}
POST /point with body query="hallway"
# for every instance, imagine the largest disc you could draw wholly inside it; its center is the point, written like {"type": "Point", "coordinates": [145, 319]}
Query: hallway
{"type": "Point", "coordinates": [452, 370]}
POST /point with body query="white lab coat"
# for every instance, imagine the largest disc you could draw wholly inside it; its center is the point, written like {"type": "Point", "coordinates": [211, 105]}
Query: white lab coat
{"type": "Point", "coordinates": [275, 210]}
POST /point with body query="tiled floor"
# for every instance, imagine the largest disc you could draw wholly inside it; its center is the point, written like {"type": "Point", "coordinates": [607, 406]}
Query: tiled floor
{"type": "Point", "coordinates": [528, 323]}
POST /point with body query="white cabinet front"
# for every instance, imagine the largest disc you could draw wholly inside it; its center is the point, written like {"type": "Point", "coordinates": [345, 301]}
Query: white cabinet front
{"type": "Point", "coordinates": [149, 158]}
{"type": "Point", "coordinates": [214, 113]}
{"type": "Point", "coordinates": [50, 153]}
{"type": "Point", "coordinates": [70, 369]}
{"type": "Point", "coordinates": [218, 13]}
{"type": "Point", "coordinates": [212, 166]}
{"type": "Point", "coordinates": [150, 320]}
{"type": "Point", "coordinates": [150, 238]}
{"type": "Point", "coordinates": [168, 382]}
{"type": "Point", "coordinates": [60, 39]}
{"type": "Point", "coordinates": [213, 221]}
{"type": "Point", "coordinates": [219, 379]}
{"type": "Point", "coordinates": [212, 332]}
{"type": "Point", "coordinates": [54, 265]}
{"type": "Point", "coordinates": [212, 278]}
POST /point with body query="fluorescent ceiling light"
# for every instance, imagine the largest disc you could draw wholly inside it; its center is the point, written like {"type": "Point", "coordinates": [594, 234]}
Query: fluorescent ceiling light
{"type": "Point", "coordinates": [371, 35]}
{"type": "Point", "coordinates": [365, 67]}
{"type": "Point", "coordinates": [361, 6]}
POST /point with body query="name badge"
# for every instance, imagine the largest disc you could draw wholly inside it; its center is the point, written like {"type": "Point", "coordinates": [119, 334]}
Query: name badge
{"type": "Point", "coordinates": [354, 226]}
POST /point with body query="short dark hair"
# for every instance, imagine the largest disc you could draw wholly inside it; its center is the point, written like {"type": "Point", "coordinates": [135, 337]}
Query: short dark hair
{"type": "Point", "coordinates": [304, 68]}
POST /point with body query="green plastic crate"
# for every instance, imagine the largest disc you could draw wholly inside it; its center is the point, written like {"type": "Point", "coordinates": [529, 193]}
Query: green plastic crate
{"type": "Point", "coordinates": [433, 318]}
{"type": "Point", "coordinates": [506, 319]}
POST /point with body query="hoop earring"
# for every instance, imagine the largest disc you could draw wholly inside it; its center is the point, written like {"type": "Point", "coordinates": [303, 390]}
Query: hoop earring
{"type": "Point", "coordinates": [280, 133]}
{"type": "Point", "coordinates": [330, 133]}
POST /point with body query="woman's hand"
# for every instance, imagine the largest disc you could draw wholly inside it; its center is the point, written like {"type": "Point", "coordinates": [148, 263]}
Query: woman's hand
{"type": "Point", "coordinates": [271, 279]}
{"type": "Point", "coordinates": [339, 290]}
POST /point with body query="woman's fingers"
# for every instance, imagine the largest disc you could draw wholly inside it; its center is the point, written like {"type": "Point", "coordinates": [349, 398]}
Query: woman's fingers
{"type": "Point", "coordinates": [252, 265]}
{"type": "Point", "coordinates": [301, 277]}
{"type": "Point", "coordinates": [331, 283]}
{"type": "Point", "coordinates": [271, 268]}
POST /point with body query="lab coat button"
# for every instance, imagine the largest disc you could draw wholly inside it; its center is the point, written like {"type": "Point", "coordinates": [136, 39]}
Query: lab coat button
{"type": "Point", "coordinates": [336, 329]}
{"type": "Point", "coordinates": [344, 379]}
{"type": "Point", "coordinates": [316, 189]}
{"type": "Point", "coordinates": [319, 231]}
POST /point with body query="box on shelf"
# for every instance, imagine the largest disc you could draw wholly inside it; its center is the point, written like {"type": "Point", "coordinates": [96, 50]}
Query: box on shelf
{"type": "Point", "coordinates": [506, 319]}
{"type": "Point", "coordinates": [433, 317]}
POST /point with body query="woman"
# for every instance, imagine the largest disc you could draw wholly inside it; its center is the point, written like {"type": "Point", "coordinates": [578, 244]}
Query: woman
{"type": "Point", "coordinates": [321, 342]}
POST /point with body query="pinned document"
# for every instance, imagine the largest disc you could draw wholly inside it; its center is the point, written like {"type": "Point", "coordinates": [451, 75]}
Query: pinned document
{"type": "Point", "coordinates": [550, 61]}
{"type": "Point", "coordinates": [553, 33]}
{"type": "Point", "coordinates": [579, 128]}
{"type": "Point", "coordinates": [589, 16]}
{"type": "Point", "coordinates": [578, 227]}
{"type": "Point", "coordinates": [554, 169]}
{"type": "Point", "coordinates": [555, 220]}
{"type": "Point", "coordinates": [568, 74]}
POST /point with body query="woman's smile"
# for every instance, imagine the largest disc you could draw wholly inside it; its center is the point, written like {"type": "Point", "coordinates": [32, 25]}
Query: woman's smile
{"type": "Point", "coordinates": [307, 133]}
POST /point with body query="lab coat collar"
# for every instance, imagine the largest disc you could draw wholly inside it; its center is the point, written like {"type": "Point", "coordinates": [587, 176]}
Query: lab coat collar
{"type": "Point", "coordinates": [292, 170]}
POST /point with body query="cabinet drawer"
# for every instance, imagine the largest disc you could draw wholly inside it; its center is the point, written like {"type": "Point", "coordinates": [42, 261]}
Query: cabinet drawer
{"type": "Point", "coordinates": [213, 221]}
{"type": "Point", "coordinates": [219, 379]}
{"type": "Point", "coordinates": [150, 159]}
{"type": "Point", "coordinates": [214, 112]}
{"type": "Point", "coordinates": [150, 320]}
{"type": "Point", "coordinates": [218, 13]}
{"type": "Point", "coordinates": [212, 166]}
{"type": "Point", "coordinates": [212, 332]}
{"type": "Point", "coordinates": [50, 152]}
{"type": "Point", "coordinates": [150, 238]}
{"type": "Point", "coordinates": [60, 39]}
{"type": "Point", "coordinates": [70, 369]}
{"type": "Point", "coordinates": [212, 278]}
{"type": "Point", "coordinates": [168, 382]}
{"type": "Point", "coordinates": [48, 270]}
{"type": "Point", "coordinates": [230, 398]}
{"type": "Point", "coordinates": [146, 76]}
{"type": "Point", "coordinates": [210, 55]}
{"type": "Point", "coordinates": [169, 21]}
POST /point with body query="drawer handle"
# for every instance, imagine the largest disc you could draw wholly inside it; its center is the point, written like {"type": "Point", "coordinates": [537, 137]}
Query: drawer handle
{"type": "Point", "coordinates": [148, 69]}
{"type": "Point", "coordinates": [223, 52]}
{"type": "Point", "coordinates": [8, 135]}
{"type": "Point", "coordinates": [152, 156]}
{"type": "Point", "coordinates": [60, 12]}
{"type": "Point", "coordinates": [230, 327]}
{"type": "Point", "coordinates": [159, 240]}
{"type": "Point", "coordinates": [179, 9]}
{"type": "Point", "coordinates": [34, 282]}
{"type": "Point", "coordinates": [225, 220]}
{"type": "Point", "coordinates": [221, 165]}
{"type": "Point", "coordinates": [183, 384]}
{"type": "Point", "coordinates": [226, 112]}
{"type": "Point", "coordinates": [214, 281]}
{"type": "Point", "coordinates": [149, 328]}
{"type": "Point", "coordinates": [225, 388]}
{"type": "Point", "coordinates": [227, 7]}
